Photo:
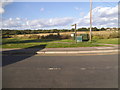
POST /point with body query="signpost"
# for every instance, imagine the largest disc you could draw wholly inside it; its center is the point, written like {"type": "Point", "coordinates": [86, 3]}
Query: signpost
{"type": "Point", "coordinates": [90, 33]}
{"type": "Point", "coordinates": [75, 32]}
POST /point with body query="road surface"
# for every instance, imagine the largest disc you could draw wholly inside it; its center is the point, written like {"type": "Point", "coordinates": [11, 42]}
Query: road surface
{"type": "Point", "coordinates": [30, 71]}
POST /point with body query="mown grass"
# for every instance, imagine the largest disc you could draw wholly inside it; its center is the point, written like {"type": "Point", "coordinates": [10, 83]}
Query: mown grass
{"type": "Point", "coordinates": [26, 43]}
{"type": "Point", "coordinates": [108, 41]}
{"type": "Point", "coordinates": [65, 45]}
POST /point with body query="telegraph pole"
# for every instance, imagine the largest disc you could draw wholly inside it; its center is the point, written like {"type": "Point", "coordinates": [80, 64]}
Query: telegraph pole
{"type": "Point", "coordinates": [90, 20]}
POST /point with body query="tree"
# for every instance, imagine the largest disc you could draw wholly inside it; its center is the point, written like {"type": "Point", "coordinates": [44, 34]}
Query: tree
{"type": "Point", "coordinates": [102, 29]}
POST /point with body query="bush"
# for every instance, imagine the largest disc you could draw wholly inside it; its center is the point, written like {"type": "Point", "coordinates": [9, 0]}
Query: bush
{"type": "Point", "coordinates": [42, 37]}
{"type": "Point", "coordinates": [51, 36]}
{"type": "Point", "coordinates": [34, 36]}
{"type": "Point", "coordinates": [66, 37]}
{"type": "Point", "coordinates": [6, 36]}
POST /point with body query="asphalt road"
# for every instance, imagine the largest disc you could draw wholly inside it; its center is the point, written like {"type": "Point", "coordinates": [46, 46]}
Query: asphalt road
{"type": "Point", "coordinates": [98, 71]}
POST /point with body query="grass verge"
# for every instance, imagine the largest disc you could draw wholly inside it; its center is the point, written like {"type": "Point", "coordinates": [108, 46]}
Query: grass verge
{"type": "Point", "coordinates": [26, 43]}
{"type": "Point", "coordinates": [108, 41]}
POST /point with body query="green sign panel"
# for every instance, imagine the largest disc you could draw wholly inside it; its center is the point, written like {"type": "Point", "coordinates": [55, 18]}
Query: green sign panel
{"type": "Point", "coordinates": [79, 38]}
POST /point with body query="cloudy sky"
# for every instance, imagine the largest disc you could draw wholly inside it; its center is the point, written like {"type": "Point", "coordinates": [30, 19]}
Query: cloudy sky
{"type": "Point", "coordinates": [57, 15]}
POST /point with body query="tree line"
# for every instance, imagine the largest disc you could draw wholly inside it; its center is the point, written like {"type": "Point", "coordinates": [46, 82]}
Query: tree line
{"type": "Point", "coordinates": [17, 32]}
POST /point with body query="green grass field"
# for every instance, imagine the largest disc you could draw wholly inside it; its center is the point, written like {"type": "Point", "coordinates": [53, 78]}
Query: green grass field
{"type": "Point", "coordinates": [49, 43]}
{"type": "Point", "coordinates": [108, 41]}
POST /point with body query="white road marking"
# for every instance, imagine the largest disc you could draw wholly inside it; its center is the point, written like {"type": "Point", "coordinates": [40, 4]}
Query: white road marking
{"type": "Point", "coordinates": [76, 52]}
{"type": "Point", "coordinates": [83, 68]}
{"type": "Point", "coordinates": [54, 68]}
{"type": "Point", "coordinates": [105, 47]}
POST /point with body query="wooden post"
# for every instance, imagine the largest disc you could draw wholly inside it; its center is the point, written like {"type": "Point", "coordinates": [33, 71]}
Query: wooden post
{"type": "Point", "coordinates": [75, 33]}
{"type": "Point", "coordinates": [90, 20]}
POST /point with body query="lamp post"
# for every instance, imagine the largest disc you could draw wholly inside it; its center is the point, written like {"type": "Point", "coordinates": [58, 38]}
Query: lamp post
{"type": "Point", "coordinates": [90, 20]}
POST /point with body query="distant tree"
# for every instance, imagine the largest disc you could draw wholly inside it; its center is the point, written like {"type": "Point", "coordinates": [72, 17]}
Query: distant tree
{"type": "Point", "coordinates": [55, 30]}
{"type": "Point", "coordinates": [102, 29]}
{"type": "Point", "coordinates": [95, 29]}
{"type": "Point", "coordinates": [83, 29]}
{"type": "Point", "coordinates": [72, 29]}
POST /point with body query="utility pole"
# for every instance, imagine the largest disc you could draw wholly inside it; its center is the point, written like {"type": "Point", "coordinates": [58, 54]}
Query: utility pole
{"type": "Point", "coordinates": [90, 20]}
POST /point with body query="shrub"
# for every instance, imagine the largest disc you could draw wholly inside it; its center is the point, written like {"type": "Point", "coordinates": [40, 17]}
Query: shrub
{"type": "Point", "coordinates": [42, 37]}
{"type": "Point", "coordinates": [66, 37]}
{"type": "Point", "coordinates": [34, 36]}
{"type": "Point", "coordinates": [6, 36]}
{"type": "Point", "coordinates": [51, 36]}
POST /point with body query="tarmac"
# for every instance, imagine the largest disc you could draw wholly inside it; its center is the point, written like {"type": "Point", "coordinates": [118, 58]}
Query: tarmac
{"type": "Point", "coordinates": [76, 50]}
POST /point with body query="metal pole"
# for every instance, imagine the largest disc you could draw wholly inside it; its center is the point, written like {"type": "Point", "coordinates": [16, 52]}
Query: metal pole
{"type": "Point", "coordinates": [75, 33]}
{"type": "Point", "coordinates": [90, 20]}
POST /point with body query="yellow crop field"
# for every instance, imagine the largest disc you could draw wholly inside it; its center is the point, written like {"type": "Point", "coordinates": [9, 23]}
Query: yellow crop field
{"type": "Point", "coordinates": [68, 33]}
